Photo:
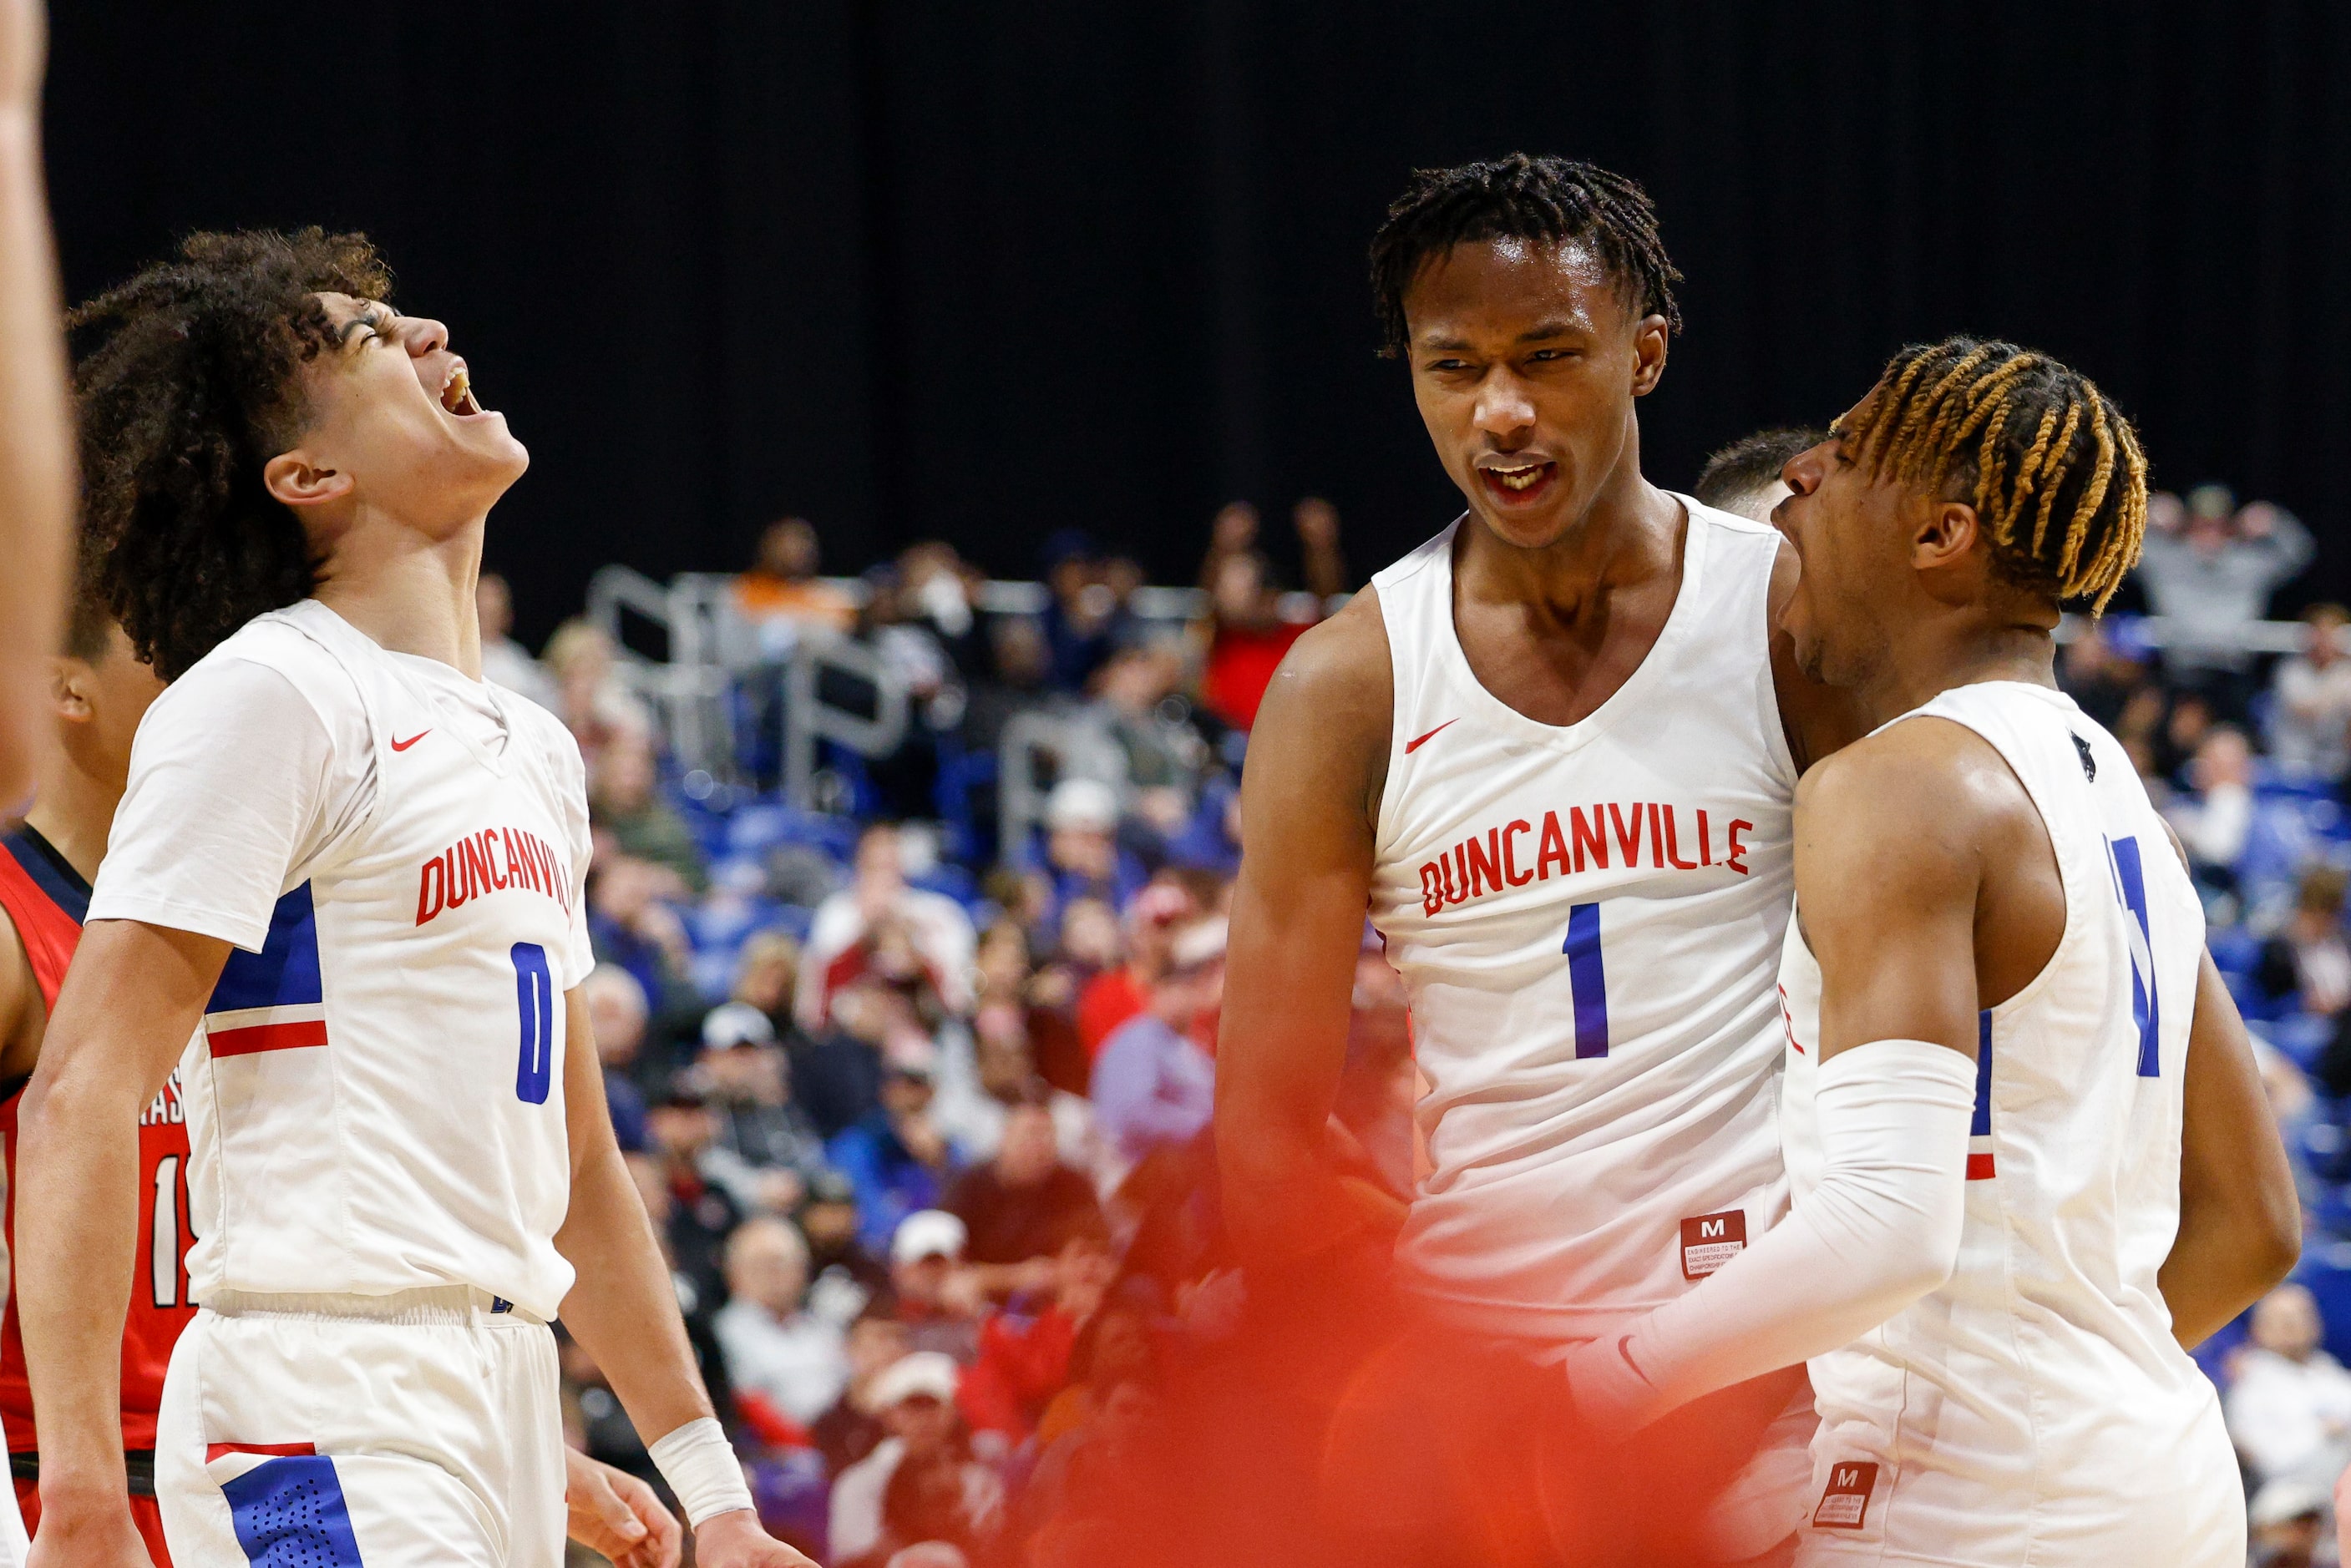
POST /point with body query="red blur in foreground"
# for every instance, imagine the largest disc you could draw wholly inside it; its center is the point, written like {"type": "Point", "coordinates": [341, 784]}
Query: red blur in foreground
{"type": "Point", "coordinates": [1340, 1424]}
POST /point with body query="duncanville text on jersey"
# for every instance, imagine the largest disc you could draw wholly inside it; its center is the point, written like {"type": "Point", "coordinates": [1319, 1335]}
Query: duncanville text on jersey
{"type": "Point", "coordinates": [1488, 863]}
{"type": "Point", "coordinates": [490, 861]}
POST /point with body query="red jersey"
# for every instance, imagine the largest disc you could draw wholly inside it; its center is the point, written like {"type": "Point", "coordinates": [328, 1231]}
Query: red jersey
{"type": "Point", "coordinates": [45, 899]}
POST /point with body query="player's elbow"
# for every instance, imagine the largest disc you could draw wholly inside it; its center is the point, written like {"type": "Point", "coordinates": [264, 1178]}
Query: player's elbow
{"type": "Point", "coordinates": [2274, 1242]}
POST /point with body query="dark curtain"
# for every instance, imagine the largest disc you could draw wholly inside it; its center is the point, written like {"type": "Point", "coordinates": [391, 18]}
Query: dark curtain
{"type": "Point", "coordinates": [988, 270]}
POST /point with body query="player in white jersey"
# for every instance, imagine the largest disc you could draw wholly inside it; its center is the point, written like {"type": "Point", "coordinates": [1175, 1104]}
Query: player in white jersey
{"type": "Point", "coordinates": [1553, 753]}
{"type": "Point", "coordinates": [351, 871]}
{"type": "Point", "coordinates": [2031, 1154]}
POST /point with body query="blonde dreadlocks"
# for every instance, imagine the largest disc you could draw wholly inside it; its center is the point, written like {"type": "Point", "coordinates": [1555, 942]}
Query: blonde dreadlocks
{"type": "Point", "coordinates": [2060, 482]}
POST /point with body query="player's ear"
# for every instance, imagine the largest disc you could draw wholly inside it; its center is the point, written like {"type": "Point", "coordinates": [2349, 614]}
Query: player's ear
{"type": "Point", "coordinates": [294, 479]}
{"type": "Point", "coordinates": [1649, 353]}
{"type": "Point", "coordinates": [1945, 534]}
{"type": "Point", "coordinates": [69, 687]}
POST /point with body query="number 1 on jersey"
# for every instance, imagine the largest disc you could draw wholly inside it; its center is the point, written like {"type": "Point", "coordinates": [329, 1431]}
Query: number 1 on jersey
{"type": "Point", "coordinates": [535, 1001]}
{"type": "Point", "coordinates": [1587, 981]}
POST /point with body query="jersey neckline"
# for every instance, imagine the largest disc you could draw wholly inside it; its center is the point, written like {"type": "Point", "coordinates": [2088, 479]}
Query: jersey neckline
{"type": "Point", "coordinates": [1695, 544]}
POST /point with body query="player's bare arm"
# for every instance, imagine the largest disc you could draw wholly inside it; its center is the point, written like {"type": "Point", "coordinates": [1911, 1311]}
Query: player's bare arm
{"type": "Point", "coordinates": [623, 1310]}
{"type": "Point", "coordinates": [1919, 918]}
{"type": "Point", "coordinates": [1318, 759]}
{"type": "Point", "coordinates": [36, 487]}
{"type": "Point", "coordinates": [131, 1000]}
{"type": "Point", "coordinates": [2240, 1221]}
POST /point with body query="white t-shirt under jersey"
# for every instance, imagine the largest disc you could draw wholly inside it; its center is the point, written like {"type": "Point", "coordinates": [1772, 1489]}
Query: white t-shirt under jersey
{"type": "Point", "coordinates": [1587, 918]}
{"type": "Point", "coordinates": [375, 1100]}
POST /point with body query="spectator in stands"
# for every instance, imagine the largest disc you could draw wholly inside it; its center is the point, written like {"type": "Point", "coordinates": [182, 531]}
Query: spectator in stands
{"type": "Point", "coordinates": [1051, 1030]}
{"type": "Point", "coordinates": [921, 1482]}
{"type": "Point", "coordinates": [2100, 674]}
{"type": "Point", "coordinates": [1743, 478]}
{"type": "Point", "coordinates": [701, 1213]}
{"type": "Point", "coordinates": [505, 661]}
{"type": "Point", "coordinates": [1138, 707]}
{"type": "Point", "coordinates": [763, 1146]}
{"type": "Point", "coordinates": [1114, 1346]}
{"type": "Point", "coordinates": [2209, 568]}
{"type": "Point", "coordinates": [896, 1155]}
{"type": "Point", "coordinates": [852, 1430]}
{"type": "Point", "coordinates": [846, 1279]}
{"type": "Point", "coordinates": [977, 1098]}
{"type": "Point", "coordinates": [2214, 820]}
{"type": "Point", "coordinates": [1083, 858]}
{"type": "Point", "coordinates": [1247, 633]}
{"type": "Point", "coordinates": [1110, 1469]}
{"type": "Point", "coordinates": [630, 926]}
{"type": "Point", "coordinates": [1085, 618]}
{"type": "Point", "coordinates": [929, 1289]}
{"type": "Point", "coordinates": [1153, 1083]}
{"type": "Point", "coordinates": [1020, 1208]}
{"type": "Point", "coordinates": [2308, 960]}
{"type": "Point", "coordinates": [848, 930]}
{"type": "Point", "coordinates": [594, 703]}
{"type": "Point", "coordinates": [616, 1011]}
{"type": "Point", "coordinates": [837, 1069]}
{"type": "Point", "coordinates": [1120, 990]}
{"type": "Point", "coordinates": [625, 798]}
{"type": "Point", "coordinates": [782, 591]}
{"type": "Point", "coordinates": [2286, 1521]}
{"type": "Point", "coordinates": [2288, 1407]}
{"type": "Point", "coordinates": [776, 1349]}
{"type": "Point", "coordinates": [765, 972]}
{"type": "Point", "coordinates": [2310, 715]}
{"type": "Point", "coordinates": [1026, 1349]}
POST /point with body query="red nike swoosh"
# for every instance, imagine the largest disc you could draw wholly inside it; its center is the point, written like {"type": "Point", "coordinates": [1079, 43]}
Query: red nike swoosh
{"type": "Point", "coordinates": [399, 745]}
{"type": "Point", "coordinates": [1412, 746]}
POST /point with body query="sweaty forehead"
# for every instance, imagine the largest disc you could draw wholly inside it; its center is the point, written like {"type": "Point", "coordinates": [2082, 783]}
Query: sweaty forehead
{"type": "Point", "coordinates": [1509, 286]}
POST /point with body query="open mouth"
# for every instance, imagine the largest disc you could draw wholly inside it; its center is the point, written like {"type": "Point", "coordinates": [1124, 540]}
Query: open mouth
{"type": "Point", "coordinates": [457, 392]}
{"type": "Point", "coordinates": [1517, 486]}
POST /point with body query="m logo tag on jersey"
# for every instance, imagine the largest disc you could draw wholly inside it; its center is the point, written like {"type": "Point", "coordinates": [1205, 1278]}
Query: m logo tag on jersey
{"type": "Point", "coordinates": [1711, 1240]}
{"type": "Point", "coordinates": [1844, 1502]}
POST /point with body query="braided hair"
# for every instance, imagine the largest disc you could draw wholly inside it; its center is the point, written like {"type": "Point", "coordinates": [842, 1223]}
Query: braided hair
{"type": "Point", "coordinates": [2053, 468]}
{"type": "Point", "coordinates": [188, 383]}
{"type": "Point", "coordinates": [1550, 200]}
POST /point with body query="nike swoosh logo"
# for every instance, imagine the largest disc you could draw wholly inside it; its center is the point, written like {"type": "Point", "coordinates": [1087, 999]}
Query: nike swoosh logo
{"type": "Point", "coordinates": [399, 745]}
{"type": "Point", "coordinates": [1412, 746]}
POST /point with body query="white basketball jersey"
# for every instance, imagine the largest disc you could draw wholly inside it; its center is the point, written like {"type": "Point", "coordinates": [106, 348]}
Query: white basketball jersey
{"type": "Point", "coordinates": [1588, 918]}
{"type": "Point", "coordinates": [375, 1101]}
{"type": "Point", "coordinates": [2036, 1409]}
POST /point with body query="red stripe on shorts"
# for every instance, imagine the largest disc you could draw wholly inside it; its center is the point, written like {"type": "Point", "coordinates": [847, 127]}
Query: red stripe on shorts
{"type": "Point", "coordinates": [267, 1450]}
{"type": "Point", "coordinates": [1980, 1167]}
{"type": "Point", "coordinates": [270, 1037]}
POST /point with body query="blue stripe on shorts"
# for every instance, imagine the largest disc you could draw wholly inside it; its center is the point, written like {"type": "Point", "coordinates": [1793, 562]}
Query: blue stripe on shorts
{"type": "Point", "coordinates": [290, 1514]}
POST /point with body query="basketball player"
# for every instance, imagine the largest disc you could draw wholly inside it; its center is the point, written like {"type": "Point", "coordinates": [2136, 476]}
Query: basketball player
{"type": "Point", "coordinates": [1554, 750]}
{"type": "Point", "coordinates": [2032, 1156]}
{"type": "Point", "coordinates": [1744, 478]}
{"type": "Point", "coordinates": [37, 495]}
{"type": "Point", "coordinates": [351, 870]}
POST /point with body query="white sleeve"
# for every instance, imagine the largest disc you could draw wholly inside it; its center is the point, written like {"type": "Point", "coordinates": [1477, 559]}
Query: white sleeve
{"type": "Point", "coordinates": [1879, 1231]}
{"type": "Point", "coordinates": [237, 784]}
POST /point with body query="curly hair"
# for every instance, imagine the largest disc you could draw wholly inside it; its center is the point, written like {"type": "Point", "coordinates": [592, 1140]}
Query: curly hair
{"type": "Point", "coordinates": [188, 381]}
{"type": "Point", "coordinates": [1550, 199]}
{"type": "Point", "coordinates": [2049, 462]}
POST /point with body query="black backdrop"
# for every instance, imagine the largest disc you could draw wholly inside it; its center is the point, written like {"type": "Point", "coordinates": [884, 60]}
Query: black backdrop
{"type": "Point", "coordinates": [989, 270]}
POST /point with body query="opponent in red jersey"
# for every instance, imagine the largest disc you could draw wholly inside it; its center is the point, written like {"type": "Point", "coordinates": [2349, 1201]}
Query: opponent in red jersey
{"type": "Point", "coordinates": [99, 690]}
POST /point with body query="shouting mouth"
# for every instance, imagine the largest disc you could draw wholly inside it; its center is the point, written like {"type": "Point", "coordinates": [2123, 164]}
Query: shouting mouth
{"type": "Point", "coordinates": [457, 392]}
{"type": "Point", "coordinates": [1516, 484]}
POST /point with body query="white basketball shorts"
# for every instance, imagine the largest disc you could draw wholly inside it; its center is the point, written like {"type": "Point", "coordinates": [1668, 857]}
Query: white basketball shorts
{"type": "Point", "coordinates": [399, 1431]}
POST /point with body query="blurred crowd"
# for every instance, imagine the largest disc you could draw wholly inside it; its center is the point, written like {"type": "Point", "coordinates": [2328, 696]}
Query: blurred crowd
{"type": "Point", "coordinates": [923, 1115]}
{"type": "Point", "coordinates": [923, 1118]}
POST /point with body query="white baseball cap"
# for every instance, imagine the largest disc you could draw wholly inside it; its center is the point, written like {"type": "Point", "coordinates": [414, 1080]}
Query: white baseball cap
{"type": "Point", "coordinates": [928, 1233]}
{"type": "Point", "coordinates": [1200, 943]}
{"type": "Point", "coordinates": [1081, 806]}
{"type": "Point", "coordinates": [928, 1372]}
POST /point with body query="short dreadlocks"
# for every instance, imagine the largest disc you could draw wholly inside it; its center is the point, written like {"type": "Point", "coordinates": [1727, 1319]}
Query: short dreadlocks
{"type": "Point", "coordinates": [1550, 200]}
{"type": "Point", "coordinates": [2053, 469]}
{"type": "Point", "coordinates": [188, 386]}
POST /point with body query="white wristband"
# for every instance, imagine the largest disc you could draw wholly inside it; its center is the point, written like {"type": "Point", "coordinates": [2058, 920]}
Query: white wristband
{"type": "Point", "coordinates": [700, 1466]}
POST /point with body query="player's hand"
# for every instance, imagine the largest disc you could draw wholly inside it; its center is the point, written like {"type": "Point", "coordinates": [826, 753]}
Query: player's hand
{"type": "Point", "coordinates": [734, 1540]}
{"type": "Point", "coordinates": [98, 1534]}
{"type": "Point", "coordinates": [613, 1513]}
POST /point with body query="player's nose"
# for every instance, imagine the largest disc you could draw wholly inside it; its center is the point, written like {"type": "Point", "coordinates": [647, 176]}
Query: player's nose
{"type": "Point", "coordinates": [422, 335]}
{"type": "Point", "coordinates": [1503, 406]}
